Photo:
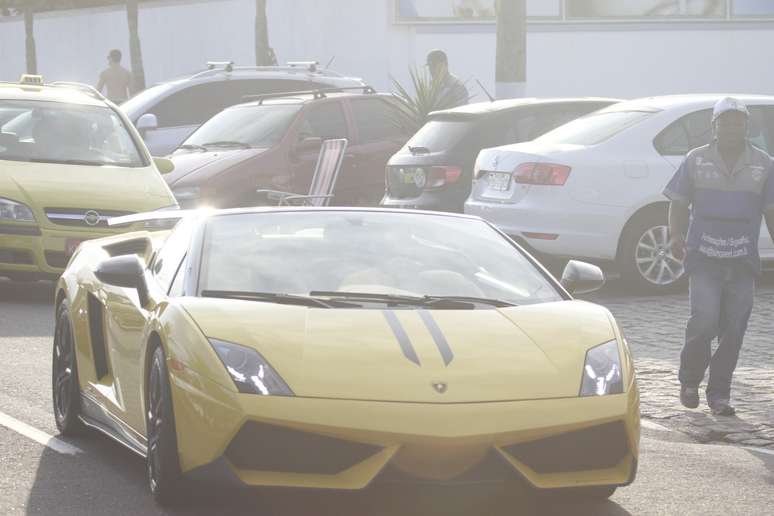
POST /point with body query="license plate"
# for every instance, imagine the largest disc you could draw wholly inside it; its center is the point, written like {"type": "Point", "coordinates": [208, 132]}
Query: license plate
{"type": "Point", "coordinates": [71, 244]}
{"type": "Point", "coordinates": [499, 181]}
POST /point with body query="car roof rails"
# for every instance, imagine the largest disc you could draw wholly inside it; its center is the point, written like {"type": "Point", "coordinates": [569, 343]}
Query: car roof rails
{"type": "Point", "coordinates": [83, 88]}
{"type": "Point", "coordinates": [317, 94]}
{"type": "Point", "coordinates": [309, 65]}
{"type": "Point", "coordinates": [214, 67]}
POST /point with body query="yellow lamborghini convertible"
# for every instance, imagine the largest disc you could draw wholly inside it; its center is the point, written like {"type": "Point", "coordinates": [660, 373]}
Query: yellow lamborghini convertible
{"type": "Point", "coordinates": [332, 348]}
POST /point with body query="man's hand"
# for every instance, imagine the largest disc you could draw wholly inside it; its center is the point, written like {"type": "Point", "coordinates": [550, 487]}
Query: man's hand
{"type": "Point", "coordinates": [677, 246]}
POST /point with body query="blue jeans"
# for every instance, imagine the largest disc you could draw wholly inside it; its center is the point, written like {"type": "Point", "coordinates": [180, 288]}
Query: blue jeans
{"type": "Point", "coordinates": [721, 298]}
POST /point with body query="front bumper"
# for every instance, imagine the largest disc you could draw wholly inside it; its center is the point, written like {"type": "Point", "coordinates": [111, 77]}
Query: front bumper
{"type": "Point", "coordinates": [32, 251]}
{"type": "Point", "coordinates": [252, 440]}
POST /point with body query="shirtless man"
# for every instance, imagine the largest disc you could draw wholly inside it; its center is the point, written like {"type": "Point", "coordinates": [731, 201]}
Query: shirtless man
{"type": "Point", "coordinates": [115, 79]}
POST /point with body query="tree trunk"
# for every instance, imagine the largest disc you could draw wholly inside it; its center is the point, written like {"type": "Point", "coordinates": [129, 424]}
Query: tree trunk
{"type": "Point", "coordinates": [511, 70]}
{"type": "Point", "coordinates": [264, 56]}
{"type": "Point", "coordinates": [135, 49]}
{"type": "Point", "coordinates": [29, 42]}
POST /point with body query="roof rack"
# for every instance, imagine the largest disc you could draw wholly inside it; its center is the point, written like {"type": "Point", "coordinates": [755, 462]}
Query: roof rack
{"type": "Point", "coordinates": [214, 67]}
{"type": "Point", "coordinates": [317, 94]}
{"type": "Point", "coordinates": [84, 88]}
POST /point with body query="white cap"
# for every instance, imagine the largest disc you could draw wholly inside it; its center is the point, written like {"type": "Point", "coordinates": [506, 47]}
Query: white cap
{"type": "Point", "coordinates": [729, 104]}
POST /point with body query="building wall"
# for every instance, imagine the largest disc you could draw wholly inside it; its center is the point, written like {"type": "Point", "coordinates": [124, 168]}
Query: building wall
{"type": "Point", "coordinates": [612, 59]}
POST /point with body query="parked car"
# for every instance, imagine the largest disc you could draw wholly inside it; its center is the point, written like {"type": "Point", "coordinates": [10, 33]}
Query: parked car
{"type": "Point", "coordinates": [69, 161]}
{"type": "Point", "coordinates": [434, 169]}
{"type": "Point", "coordinates": [167, 113]}
{"type": "Point", "coordinates": [273, 143]}
{"type": "Point", "coordinates": [593, 187]}
{"type": "Point", "coordinates": [334, 348]}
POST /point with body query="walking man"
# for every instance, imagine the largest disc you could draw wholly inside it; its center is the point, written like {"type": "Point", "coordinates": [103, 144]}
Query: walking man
{"type": "Point", "coordinates": [453, 92]}
{"type": "Point", "coordinates": [116, 79]}
{"type": "Point", "coordinates": [718, 197]}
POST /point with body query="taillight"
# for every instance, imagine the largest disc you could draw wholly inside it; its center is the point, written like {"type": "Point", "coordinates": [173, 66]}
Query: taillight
{"type": "Point", "coordinates": [442, 176]}
{"type": "Point", "coordinates": [546, 174]}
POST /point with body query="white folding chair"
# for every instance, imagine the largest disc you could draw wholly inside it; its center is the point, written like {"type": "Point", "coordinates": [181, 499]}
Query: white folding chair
{"type": "Point", "coordinates": [323, 182]}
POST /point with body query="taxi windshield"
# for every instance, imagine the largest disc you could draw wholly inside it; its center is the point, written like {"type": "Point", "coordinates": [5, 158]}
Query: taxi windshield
{"type": "Point", "coordinates": [57, 132]}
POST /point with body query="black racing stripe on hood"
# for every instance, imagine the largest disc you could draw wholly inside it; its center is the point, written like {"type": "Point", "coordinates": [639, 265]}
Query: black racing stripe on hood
{"type": "Point", "coordinates": [401, 336]}
{"type": "Point", "coordinates": [438, 336]}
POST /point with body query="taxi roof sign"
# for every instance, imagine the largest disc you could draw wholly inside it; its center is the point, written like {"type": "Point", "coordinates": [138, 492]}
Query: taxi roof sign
{"type": "Point", "coordinates": [34, 80]}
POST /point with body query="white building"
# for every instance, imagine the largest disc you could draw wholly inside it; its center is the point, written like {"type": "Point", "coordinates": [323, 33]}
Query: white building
{"type": "Point", "coordinates": [621, 48]}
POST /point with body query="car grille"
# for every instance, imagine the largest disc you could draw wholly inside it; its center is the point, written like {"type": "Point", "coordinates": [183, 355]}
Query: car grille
{"type": "Point", "coordinates": [263, 447]}
{"type": "Point", "coordinates": [80, 217]}
{"type": "Point", "coordinates": [8, 229]}
{"type": "Point", "coordinates": [16, 257]}
{"type": "Point", "coordinates": [598, 447]}
{"type": "Point", "coordinates": [56, 259]}
{"type": "Point", "coordinates": [401, 183]}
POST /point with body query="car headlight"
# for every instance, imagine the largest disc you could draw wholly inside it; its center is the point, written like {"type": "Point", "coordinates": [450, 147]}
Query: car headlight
{"type": "Point", "coordinates": [162, 224]}
{"type": "Point", "coordinates": [16, 211]}
{"type": "Point", "coordinates": [190, 193]}
{"type": "Point", "coordinates": [602, 371]}
{"type": "Point", "coordinates": [250, 372]}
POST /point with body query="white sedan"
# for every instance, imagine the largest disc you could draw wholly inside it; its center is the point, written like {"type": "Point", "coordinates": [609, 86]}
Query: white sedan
{"type": "Point", "coordinates": [592, 188]}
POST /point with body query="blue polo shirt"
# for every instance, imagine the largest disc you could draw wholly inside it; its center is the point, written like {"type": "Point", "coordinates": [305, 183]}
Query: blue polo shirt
{"type": "Point", "coordinates": [726, 205]}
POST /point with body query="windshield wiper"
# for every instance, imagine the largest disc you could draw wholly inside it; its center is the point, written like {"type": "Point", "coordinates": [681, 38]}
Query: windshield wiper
{"type": "Point", "coordinates": [279, 298]}
{"type": "Point", "coordinates": [430, 301]}
{"type": "Point", "coordinates": [193, 146]}
{"type": "Point", "coordinates": [418, 150]}
{"type": "Point", "coordinates": [227, 143]}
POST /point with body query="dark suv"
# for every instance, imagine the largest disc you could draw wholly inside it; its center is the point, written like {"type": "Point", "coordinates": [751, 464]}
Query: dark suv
{"type": "Point", "coordinates": [434, 170]}
{"type": "Point", "coordinates": [273, 143]}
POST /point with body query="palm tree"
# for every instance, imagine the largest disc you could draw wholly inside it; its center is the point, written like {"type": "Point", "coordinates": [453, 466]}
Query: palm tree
{"type": "Point", "coordinates": [135, 49]}
{"type": "Point", "coordinates": [264, 55]}
{"type": "Point", "coordinates": [29, 41]}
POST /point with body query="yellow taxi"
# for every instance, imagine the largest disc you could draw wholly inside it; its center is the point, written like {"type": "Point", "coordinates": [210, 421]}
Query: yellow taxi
{"type": "Point", "coordinates": [69, 161]}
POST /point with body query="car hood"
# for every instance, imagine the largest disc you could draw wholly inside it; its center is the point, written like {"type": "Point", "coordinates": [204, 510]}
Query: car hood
{"type": "Point", "coordinates": [44, 185]}
{"type": "Point", "coordinates": [519, 353]}
{"type": "Point", "coordinates": [194, 167]}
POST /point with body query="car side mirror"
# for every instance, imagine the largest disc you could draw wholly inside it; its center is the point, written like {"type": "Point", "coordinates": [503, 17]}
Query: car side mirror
{"type": "Point", "coordinates": [147, 122]}
{"type": "Point", "coordinates": [308, 144]}
{"type": "Point", "coordinates": [124, 271]}
{"type": "Point", "coordinates": [164, 165]}
{"type": "Point", "coordinates": [582, 278]}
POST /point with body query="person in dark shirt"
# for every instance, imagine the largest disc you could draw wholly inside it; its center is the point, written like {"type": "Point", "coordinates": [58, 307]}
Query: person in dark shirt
{"type": "Point", "coordinates": [719, 196]}
{"type": "Point", "coordinates": [453, 91]}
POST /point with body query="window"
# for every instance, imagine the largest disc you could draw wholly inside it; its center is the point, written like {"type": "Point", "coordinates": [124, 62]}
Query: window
{"type": "Point", "coordinates": [752, 8]}
{"type": "Point", "coordinates": [760, 131]}
{"type": "Point", "coordinates": [440, 134]}
{"type": "Point", "coordinates": [167, 261]}
{"type": "Point", "coordinates": [375, 120]}
{"type": "Point", "coordinates": [325, 120]}
{"type": "Point", "coordinates": [616, 9]}
{"type": "Point", "coordinates": [191, 106]}
{"type": "Point", "coordinates": [258, 126]}
{"type": "Point", "coordinates": [687, 133]}
{"type": "Point", "coordinates": [595, 128]}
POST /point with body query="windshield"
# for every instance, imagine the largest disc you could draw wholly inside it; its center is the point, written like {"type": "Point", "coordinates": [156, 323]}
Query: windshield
{"type": "Point", "coordinates": [359, 252]}
{"type": "Point", "coordinates": [594, 128]}
{"type": "Point", "coordinates": [440, 135]}
{"type": "Point", "coordinates": [254, 125]}
{"type": "Point", "coordinates": [56, 132]}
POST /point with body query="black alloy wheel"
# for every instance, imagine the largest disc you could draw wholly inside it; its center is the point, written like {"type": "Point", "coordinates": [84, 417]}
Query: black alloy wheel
{"type": "Point", "coordinates": [163, 463]}
{"type": "Point", "coordinates": [64, 376]}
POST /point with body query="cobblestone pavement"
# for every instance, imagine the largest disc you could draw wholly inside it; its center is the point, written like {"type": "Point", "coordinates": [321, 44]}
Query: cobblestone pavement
{"type": "Point", "coordinates": [655, 326]}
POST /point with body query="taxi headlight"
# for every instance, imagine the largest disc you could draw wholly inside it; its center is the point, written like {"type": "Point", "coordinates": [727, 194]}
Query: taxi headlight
{"type": "Point", "coordinates": [250, 372]}
{"type": "Point", "coordinates": [16, 211]}
{"type": "Point", "coordinates": [602, 371]}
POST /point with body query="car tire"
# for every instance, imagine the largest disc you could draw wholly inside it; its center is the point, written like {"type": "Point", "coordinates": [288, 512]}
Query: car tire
{"type": "Point", "coordinates": [65, 388]}
{"type": "Point", "coordinates": [645, 260]}
{"type": "Point", "coordinates": [163, 463]}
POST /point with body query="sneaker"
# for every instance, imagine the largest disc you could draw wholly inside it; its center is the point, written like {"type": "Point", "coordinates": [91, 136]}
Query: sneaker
{"type": "Point", "coordinates": [721, 408]}
{"type": "Point", "coordinates": [689, 396]}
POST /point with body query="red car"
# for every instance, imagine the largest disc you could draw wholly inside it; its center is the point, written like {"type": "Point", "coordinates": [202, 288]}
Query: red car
{"type": "Point", "coordinates": [273, 143]}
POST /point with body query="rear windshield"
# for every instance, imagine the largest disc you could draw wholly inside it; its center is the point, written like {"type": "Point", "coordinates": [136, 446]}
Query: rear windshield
{"type": "Point", "coordinates": [439, 135]}
{"type": "Point", "coordinates": [595, 128]}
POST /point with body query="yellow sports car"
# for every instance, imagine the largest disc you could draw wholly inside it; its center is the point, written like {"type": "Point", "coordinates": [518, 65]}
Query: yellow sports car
{"type": "Point", "coordinates": [69, 161]}
{"type": "Point", "coordinates": [329, 348]}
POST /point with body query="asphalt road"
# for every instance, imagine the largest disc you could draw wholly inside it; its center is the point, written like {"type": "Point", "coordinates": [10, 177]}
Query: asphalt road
{"type": "Point", "coordinates": [676, 476]}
